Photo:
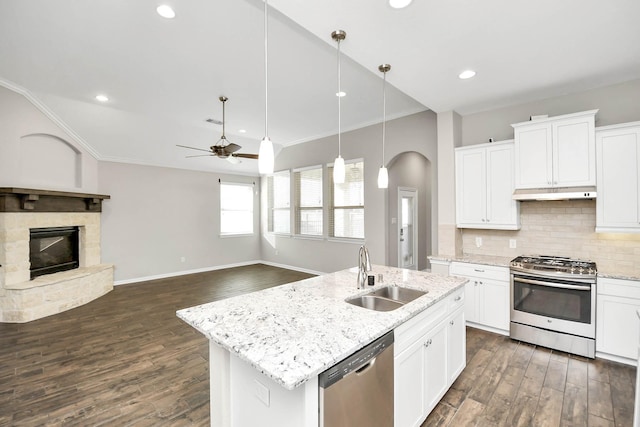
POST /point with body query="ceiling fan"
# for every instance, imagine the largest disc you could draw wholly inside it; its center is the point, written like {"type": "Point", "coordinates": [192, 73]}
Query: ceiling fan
{"type": "Point", "coordinates": [223, 148]}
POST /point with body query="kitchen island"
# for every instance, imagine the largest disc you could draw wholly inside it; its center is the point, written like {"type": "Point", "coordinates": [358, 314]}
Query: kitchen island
{"type": "Point", "coordinates": [268, 347]}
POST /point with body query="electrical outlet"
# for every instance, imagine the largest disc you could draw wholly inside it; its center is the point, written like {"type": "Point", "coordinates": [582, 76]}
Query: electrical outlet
{"type": "Point", "coordinates": [512, 243]}
{"type": "Point", "coordinates": [478, 242]}
{"type": "Point", "coordinates": [276, 252]}
{"type": "Point", "coordinates": [261, 391]}
{"type": "Point", "coordinates": [182, 259]}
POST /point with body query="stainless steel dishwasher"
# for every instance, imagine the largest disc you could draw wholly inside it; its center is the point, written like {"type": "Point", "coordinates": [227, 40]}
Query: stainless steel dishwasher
{"type": "Point", "coordinates": [358, 391]}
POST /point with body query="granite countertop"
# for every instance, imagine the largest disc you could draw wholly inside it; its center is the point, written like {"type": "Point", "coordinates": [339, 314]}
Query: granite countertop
{"type": "Point", "coordinates": [293, 332]}
{"type": "Point", "coordinates": [498, 261]}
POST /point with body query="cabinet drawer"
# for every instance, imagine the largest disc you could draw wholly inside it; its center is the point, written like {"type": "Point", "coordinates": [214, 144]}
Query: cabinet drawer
{"type": "Point", "coordinates": [456, 300]}
{"type": "Point", "coordinates": [480, 271]}
{"type": "Point", "coordinates": [407, 333]}
{"type": "Point", "coordinates": [618, 287]}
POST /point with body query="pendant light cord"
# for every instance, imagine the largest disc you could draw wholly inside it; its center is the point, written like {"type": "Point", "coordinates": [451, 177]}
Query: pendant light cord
{"type": "Point", "coordinates": [384, 112]}
{"type": "Point", "coordinates": [266, 70]}
{"type": "Point", "coordinates": [339, 101]}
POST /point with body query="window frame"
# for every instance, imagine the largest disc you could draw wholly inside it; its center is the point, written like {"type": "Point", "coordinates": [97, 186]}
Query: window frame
{"type": "Point", "coordinates": [297, 200]}
{"type": "Point", "coordinates": [271, 208]}
{"type": "Point", "coordinates": [250, 185]}
{"type": "Point", "coordinates": [333, 208]}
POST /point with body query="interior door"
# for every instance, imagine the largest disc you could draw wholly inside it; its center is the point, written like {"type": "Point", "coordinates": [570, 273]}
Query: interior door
{"type": "Point", "coordinates": [408, 228]}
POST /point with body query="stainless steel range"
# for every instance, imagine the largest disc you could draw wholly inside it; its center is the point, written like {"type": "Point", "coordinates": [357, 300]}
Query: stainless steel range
{"type": "Point", "coordinates": [553, 303]}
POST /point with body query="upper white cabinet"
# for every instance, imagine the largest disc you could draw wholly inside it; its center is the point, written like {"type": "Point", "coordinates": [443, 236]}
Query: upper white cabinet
{"type": "Point", "coordinates": [618, 202]}
{"type": "Point", "coordinates": [556, 152]}
{"type": "Point", "coordinates": [484, 187]}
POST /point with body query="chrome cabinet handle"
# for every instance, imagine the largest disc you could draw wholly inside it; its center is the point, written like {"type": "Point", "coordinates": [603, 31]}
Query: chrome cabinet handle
{"type": "Point", "coordinates": [428, 342]}
{"type": "Point", "coordinates": [458, 298]}
{"type": "Point", "coordinates": [478, 270]}
{"type": "Point", "coordinates": [452, 322]}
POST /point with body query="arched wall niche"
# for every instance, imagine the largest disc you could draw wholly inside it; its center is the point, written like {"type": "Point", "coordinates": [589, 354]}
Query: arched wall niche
{"type": "Point", "coordinates": [48, 161]}
{"type": "Point", "coordinates": [413, 170]}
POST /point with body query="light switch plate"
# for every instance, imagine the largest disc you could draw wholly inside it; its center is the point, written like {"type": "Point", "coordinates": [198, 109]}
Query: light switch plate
{"type": "Point", "coordinates": [512, 243]}
{"type": "Point", "coordinates": [478, 242]}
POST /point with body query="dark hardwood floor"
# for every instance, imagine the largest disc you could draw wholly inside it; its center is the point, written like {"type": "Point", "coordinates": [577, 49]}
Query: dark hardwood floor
{"type": "Point", "coordinates": [510, 383]}
{"type": "Point", "coordinates": [123, 359]}
{"type": "Point", "coordinates": [126, 359]}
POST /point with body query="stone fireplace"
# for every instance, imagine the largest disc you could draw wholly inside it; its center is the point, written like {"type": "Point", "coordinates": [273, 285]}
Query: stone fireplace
{"type": "Point", "coordinates": [23, 299]}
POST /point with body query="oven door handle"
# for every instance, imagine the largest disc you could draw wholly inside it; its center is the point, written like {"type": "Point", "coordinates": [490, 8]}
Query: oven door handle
{"type": "Point", "coordinates": [553, 285]}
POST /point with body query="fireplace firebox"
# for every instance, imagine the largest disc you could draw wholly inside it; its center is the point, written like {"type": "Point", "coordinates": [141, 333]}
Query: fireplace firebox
{"type": "Point", "coordinates": [53, 249]}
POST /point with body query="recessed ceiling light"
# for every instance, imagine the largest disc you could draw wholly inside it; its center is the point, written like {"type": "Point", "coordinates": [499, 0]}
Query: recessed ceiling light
{"type": "Point", "coordinates": [166, 11]}
{"type": "Point", "coordinates": [399, 4]}
{"type": "Point", "coordinates": [242, 131]}
{"type": "Point", "coordinates": [467, 74]}
{"type": "Point", "coordinates": [102, 98]}
{"type": "Point", "coordinates": [341, 94]}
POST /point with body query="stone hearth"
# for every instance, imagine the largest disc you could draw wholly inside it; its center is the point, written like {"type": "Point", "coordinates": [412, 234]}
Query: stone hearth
{"type": "Point", "coordinates": [22, 299]}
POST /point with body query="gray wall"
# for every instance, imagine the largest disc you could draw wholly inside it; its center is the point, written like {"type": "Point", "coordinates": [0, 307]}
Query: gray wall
{"type": "Point", "coordinates": [411, 170]}
{"type": "Point", "coordinates": [158, 215]}
{"type": "Point", "coordinates": [415, 133]}
{"type": "Point", "coordinates": [37, 153]}
{"type": "Point", "coordinates": [617, 104]}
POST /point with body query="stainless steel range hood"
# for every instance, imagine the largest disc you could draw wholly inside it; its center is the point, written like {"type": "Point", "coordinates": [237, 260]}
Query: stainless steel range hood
{"type": "Point", "coordinates": [558, 193]}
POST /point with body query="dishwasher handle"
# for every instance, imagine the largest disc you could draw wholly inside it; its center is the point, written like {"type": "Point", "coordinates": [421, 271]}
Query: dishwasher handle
{"type": "Point", "coordinates": [357, 363]}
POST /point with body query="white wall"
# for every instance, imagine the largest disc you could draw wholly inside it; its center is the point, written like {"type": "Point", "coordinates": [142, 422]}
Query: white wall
{"type": "Point", "coordinates": [37, 153]}
{"type": "Point", "coordinates": [415, 133]}
{"type": "Point", "coordinates": [617, 104]}
{"type": "Point", "coordinates": [158, 215]}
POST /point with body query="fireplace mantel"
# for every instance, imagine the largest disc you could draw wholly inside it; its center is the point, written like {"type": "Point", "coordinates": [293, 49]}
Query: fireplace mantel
{"type": "Point", "coordinates": [32, 200]}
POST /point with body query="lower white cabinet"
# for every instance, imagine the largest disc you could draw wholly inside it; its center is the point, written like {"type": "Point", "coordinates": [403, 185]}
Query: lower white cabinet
{"type": "Point", "coordinates": [617, 326]}
{"type": "Point", "coordinates": [429, 355]}
{"type": "Point", "coordinates": [486, 295]}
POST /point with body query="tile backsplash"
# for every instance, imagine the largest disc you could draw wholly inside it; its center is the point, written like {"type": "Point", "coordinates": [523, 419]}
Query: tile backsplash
{"type": "Point", "coordinates": [563, 228]}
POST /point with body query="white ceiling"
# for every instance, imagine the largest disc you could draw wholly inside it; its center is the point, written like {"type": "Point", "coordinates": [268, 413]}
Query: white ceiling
{"type": "Point", "coordinates": [164, 77]}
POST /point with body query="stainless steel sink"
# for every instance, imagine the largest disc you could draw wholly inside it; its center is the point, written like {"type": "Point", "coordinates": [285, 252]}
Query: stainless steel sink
{"type": "Point", "coordinates": [398, 293]}
{"type": "Point", "coordinates": [386, 299]}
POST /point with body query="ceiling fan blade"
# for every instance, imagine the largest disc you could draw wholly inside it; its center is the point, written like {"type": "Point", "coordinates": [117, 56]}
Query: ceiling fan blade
{"type": "Point", "coordinates": [246, 156]}
{"type": "Point", "coordinates": [232, 148]}
{"type": "Point", "coordinates": [201, 155]}
{"type": "Point", "coordinates": [234, 160]}
{"type": "Point", "coordinates": [193, 148]}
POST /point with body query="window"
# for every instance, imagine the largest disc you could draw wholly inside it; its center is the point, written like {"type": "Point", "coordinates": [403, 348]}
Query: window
{"type": "Point", "coordinates": [236, 208]}
{"type": "Point", "coordinates": [308, 185]}
{"type": "Point", "coordinates": [346, 214]}
{"type": "Point", "coordinates": [278, 202]}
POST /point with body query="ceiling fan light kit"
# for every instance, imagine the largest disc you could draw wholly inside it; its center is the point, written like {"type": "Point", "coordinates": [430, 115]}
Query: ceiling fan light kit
{"type": "Point", "coordinates": [223, 148]}
{"type": "Point", "coordinates": [265, 155]}
{"type": "Point", "coordinates": [338, 164]}
{"type": "Point", "coordinates": [383, 174]}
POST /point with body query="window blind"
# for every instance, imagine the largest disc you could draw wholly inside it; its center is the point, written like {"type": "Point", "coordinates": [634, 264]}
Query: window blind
{"type": "Point", "coordinates": [346, 213]}
{"type": "Point", "coordinates": [236, 208]}
{"type": "Point", "coordinates": [279, 205]}
{"type": "Point", "coordinates": [308, 190]}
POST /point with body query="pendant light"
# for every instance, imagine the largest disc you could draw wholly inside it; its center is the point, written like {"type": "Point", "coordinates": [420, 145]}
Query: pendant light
{"type": "Point", "coordinates": [265, 155]}
{"type": "Point", "coordinates": [338, 164]}
{"type": "Point", "coordinates": [383, 174]}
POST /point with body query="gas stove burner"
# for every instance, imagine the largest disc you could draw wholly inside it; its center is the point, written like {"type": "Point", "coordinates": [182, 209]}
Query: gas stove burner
{"type": "Point", "coordinates": [554, 264]}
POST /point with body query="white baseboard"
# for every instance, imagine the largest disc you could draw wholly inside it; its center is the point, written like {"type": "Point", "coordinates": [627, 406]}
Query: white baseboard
{"type": "Point", "coordinates": [217, 267]}
{"type": "Point", "coordinates": [615, 358]}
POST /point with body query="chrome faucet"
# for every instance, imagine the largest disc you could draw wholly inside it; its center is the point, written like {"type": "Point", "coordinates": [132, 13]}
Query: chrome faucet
{"type": "Point", "coordinates": [364, 265]}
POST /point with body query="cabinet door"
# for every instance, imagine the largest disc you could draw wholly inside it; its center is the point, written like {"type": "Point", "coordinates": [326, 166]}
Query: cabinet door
{"type": "Point", "coordinates": [502, 210]}
{"type": "Point", "coordinates": [533, 153]}
{"type": "Point", "coordinates": [574, 152]}
{"type": "Point", "coordinates": [471, 300]}
{"type": "Point", "coordinates": [435, 366]}
{"type": "Point", "coordinates": [494, 304]}
{"type": "Point", "coordinates": [470, 187]}
{"type": "Point", "coordinates": [618, 201]}
{"type": "Point", "coordinates": [457, 345]}
{"type": "Point", "coordinates": [617, 328]}
{"type": "Point", "coordinates": [409, 377]}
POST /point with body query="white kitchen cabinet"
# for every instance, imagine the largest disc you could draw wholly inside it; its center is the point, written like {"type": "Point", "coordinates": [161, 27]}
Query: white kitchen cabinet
{"type": "Point", "coordinates": [486, 295]}
{"type": "Point", "coordinates": [556, 152]}
{"type": "Point", "coordinates": [484, 187]}
{"type": "Point", "coordinates": [457, 345]}
{"type": "Point", "coordinates": [618, 163]}
{"type": "Point", "coordinates": [617, 328]}
{"type": "Point", "coordinates": [429, 354]}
